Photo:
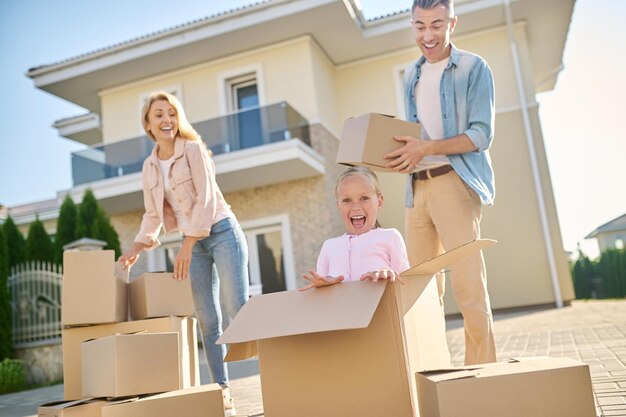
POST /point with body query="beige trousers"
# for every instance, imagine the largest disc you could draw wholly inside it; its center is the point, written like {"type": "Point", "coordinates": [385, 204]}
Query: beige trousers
{"type": "Point", "coordinates": [446, 214]}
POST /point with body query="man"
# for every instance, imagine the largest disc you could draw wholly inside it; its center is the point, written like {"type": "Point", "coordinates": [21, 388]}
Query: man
{"type": "Point", "coordinates": [450, 92]}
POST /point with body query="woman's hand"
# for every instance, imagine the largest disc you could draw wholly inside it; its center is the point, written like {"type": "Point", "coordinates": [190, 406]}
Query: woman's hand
{"type": "Point", "coordinates": [319, 281]}
{"type": "Point", "coordinates": [128, 258]}
{"type": "Point", "coordinates": [382, 273]}
{"type": "Point", "coordinates": [183, 259]}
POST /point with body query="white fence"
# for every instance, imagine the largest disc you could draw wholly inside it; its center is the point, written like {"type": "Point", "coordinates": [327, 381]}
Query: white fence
{"type": "Point", "coordinates": [35, 294]}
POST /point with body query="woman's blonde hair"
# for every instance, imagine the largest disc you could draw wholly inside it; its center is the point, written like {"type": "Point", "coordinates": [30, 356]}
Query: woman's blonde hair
{"type": "Point", "coordinates": [185, 129]}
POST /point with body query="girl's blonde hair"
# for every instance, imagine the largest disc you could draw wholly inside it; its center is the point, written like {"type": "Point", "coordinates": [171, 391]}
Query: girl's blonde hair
{"type": "Point", "coordinates": [364, 171]}
{"type": "Point", "coordinates": [185, 130]}
{"type": "Point", "coordinates": [359, 170]}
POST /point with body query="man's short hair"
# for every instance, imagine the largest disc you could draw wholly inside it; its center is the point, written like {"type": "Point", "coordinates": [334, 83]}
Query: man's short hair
{"type": "Point", "coordinates": [429, 4]}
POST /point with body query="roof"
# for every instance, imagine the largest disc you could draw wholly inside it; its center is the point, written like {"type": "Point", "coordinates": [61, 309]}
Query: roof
{"type": "Point", "coordinates": [166, 31]}
{"type": "Point", "coordinates": [615, 225]}
{"type": "Point", "coordinates": [337, 27]}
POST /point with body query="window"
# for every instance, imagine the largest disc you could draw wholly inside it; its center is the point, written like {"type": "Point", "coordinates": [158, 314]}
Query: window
{"type": "Point", "coordinates": [271, 260]}
{"type": "Point", "coordinates": [244, 93]}
{"type": "Point", "coordinates": [162, 259]}
{"type": "Point", "coordinates": [398, 78]}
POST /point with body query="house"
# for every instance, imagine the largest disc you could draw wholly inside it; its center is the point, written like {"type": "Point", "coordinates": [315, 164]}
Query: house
{"type": "Point", "coordinates": [611, 235]}
{"type": "Point", "coordinates": [268, 87]}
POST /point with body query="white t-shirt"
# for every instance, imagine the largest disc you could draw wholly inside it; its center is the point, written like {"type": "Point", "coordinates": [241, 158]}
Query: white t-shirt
{"type": "Point", "coordinates": [428, 103]}
{"type": "Point", "coordinates": [181, 218]}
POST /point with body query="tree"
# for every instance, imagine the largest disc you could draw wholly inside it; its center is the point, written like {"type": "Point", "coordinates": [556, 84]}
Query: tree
{"type": "Point", "coordinates": [38, 244]}
{"type": "Point", "coordinates": [5, 306]}
{"type": "Point", "coordinates": [66, 227]}
{"type": "Point", "coordinates": [582, 274]}
{"type": "Point", "coordinates": [15, 243]}
{"type": "Point", "coordinates": [87, 215]}
{"type": "Point", "coordinates": [93, 222]}
{"type": "Point", "coordinates": [103, 230]}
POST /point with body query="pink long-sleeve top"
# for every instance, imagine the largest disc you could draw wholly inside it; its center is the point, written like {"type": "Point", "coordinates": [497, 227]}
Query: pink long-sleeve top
{"type": "Point", "coordinates": [355, 255]}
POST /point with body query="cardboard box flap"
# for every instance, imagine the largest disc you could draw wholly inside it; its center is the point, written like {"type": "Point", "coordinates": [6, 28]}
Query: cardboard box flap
{"type": "Point", "coordinates": [59, 405]}
{"type": "Point", "coordinates": [241, 351]}
{"type": "Point", "coordinates": [349, 305]}
{"type": "Point", "coordinates": [436, 264]}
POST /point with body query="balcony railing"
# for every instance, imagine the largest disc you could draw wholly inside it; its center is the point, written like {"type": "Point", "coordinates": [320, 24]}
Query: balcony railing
{"type": "Point", "coordinates": [242, 130]}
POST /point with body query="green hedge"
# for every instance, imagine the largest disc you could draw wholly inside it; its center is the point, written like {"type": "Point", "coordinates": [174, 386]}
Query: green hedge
{"type": "Point", "coordinates": [12, 375]}
{"type": "Point", "coordinates": [602, 278]}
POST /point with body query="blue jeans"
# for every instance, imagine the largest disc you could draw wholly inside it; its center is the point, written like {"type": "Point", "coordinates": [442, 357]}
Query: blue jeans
{"type": "Point", "coordinates": [226, 249]}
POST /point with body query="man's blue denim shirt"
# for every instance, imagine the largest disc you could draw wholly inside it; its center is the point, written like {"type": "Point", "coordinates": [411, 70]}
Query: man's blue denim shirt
{"type": "Point", "coordinates": [467, 106]}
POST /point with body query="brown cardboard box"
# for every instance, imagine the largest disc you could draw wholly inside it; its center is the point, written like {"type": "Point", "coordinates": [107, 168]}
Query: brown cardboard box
{"type": "Point", "coordinates": [202, 401]}
{"type": "Point", "coordinates": [187, 342]}
{"type": "Point", "coordinates": [522, 387]}
{"type": "Point", "coordinates": [130, 364]}
{"type": "Point", "coordinates": [366, 138]}
{"type": "Point", "coordinates": [159, 295]}
{"type": "Point", "coordinates": [350, 349]}
{"type": "Point", "coordinates": [79, 408]}
{"type": "Point", "coordinates": [92, 291]}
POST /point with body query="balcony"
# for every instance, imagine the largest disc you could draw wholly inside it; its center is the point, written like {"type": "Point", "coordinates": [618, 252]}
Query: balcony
{"type": "Point", "coordinates": [255, 147]}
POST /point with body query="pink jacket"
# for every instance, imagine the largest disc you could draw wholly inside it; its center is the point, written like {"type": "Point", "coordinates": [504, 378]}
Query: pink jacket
{"type": "Point", "coordinates": [192, 178]}
{"type": "Point", "coordinates": [355, 255]}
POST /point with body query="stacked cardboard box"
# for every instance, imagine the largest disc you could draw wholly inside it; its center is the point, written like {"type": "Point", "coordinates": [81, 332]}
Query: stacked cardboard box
{"type": "Point", "coordinates": [106, 355]}
{"type": "Point", "coordinates": [520, 387]}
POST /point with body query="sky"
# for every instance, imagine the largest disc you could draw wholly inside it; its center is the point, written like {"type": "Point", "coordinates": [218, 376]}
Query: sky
{"type": "Point", "coordinates": [581, 118]}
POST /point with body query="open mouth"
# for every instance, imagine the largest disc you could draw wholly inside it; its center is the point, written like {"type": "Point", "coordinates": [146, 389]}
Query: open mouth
{"type": "Point", "coordinates": [357, 221]}
{"type": "Point", "coordinates": [429, 45]}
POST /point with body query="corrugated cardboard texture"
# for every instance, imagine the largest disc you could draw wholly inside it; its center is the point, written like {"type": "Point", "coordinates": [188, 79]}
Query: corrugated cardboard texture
{"type": "Point", "coordinates": [366, 138]}
{"type": "Point", "coordinates": [347, 306]}
{"type": "Point", "coordinates": [91, 292]}
{"type": "Point", "coordinates": [187, 340]}
{"type": "Point", "coordinates": [159, 295]}
{"type": "Point", "coordinates": [130, 364]}
{"type": "Point", "coordinates": [202, 401]}
{"type": "Point", "coordinates": [541, 387]}
{"type": "Point", "coordinates": [358, 372]}
{"type": "Point", "coordinates": [79, 408]}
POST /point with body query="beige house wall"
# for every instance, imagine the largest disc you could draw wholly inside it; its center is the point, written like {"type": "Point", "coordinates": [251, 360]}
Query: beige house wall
{"type": "Point", "coordinates": [293, 71]}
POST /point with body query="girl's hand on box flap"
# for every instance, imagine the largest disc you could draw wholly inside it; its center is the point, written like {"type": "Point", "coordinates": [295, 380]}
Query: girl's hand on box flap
{"type": "Point", "coordinates": [382, 273]}
{"type": "Point", "coordinates": [319, 281]}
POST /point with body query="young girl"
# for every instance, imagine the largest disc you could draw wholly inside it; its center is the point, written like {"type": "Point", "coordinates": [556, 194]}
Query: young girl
{"type": "Point", "coordinates": [181, 193]}
{"type": "Point", "coordinates": [366, 251]}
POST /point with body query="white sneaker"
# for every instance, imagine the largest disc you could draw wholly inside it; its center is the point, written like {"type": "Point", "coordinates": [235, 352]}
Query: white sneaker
{"type": "Point", "coordinates": [229, 403]}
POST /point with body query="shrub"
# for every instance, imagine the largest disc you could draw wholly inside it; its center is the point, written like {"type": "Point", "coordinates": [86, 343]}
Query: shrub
{"type": "Point", "coordinates": [38, 244]}
{"type": "Point", "coordinates": [5, 306]}
{"type": "Point", "coordinates": [12, 375]}
{"type": "Point", "coordinates": [66, 228]}
{"type": "Point", "coordinates": [17, 245]}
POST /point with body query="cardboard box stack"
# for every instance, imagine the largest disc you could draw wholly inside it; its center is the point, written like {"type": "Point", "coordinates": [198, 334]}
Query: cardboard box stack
{"type": "Point", "coordinates": [107, 356]}
{"type": "Point", "coordinates": [347, 349]}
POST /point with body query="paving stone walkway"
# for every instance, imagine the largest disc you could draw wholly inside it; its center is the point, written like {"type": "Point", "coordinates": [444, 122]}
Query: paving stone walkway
{"type": "Point", "coordinates": [593, 332]}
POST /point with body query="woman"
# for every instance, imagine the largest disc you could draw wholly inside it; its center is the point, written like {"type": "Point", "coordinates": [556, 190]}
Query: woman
{"type": "Point", "coordinates": [181, 193]}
